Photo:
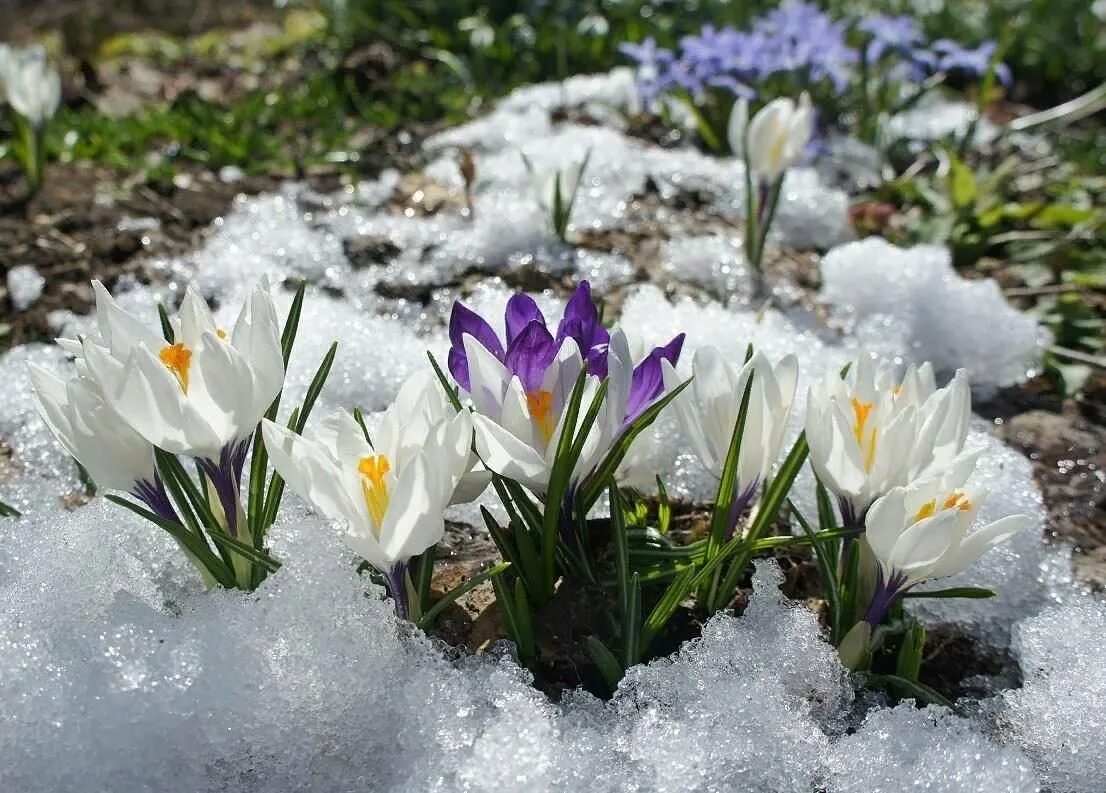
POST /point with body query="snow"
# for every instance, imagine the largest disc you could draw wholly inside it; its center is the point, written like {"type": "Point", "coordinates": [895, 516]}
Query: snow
{"type": "Point", "coordinates": [118, 672]}
{"type": "Point", "coordinates": [25, 285]}
{"type": "Point", "coordinates": [910, 302]}
{"type": "Point", "coordinates": [1059, 714]}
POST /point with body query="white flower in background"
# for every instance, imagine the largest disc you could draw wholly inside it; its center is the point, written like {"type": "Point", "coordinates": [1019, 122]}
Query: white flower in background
{"type": "Point", "coordinates": [924, 531]}
{"type": "Point", "coordinates": [777, 135]}
{"type": "Point", "coordinates": [391, 494]}
{"type": "Point", "coordinates": [201, 395]}
{"type": "Point", "coordinates": [418, 416]}
{"type": "Point", "coordinates": [115, 456]}
{"type": "Point", "coordinates": [738, 123]}
{"type": "Point", "coordinates": [31, 85]}
{"type": "Point", "coordinates": [869, 432]}
{"type": "Point", "coordinates": [518, 430]}
{"type": "Point", "coordinates": [708, 412]}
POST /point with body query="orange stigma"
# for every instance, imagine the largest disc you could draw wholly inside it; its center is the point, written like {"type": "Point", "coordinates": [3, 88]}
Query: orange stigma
{"type": "Point", "coordinates": [177, 359]}
{"type": "Point", "coordinates": [374, 488]}
{"type": "Point", "coordinates": [540, 405]}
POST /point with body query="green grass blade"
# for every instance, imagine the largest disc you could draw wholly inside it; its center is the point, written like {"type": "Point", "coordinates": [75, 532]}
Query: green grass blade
{"type": "Point", "coordinates": [460, 591]}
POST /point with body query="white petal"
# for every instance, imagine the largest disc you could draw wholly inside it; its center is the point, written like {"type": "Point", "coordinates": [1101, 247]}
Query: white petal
{"type": "Point", "coordinates": [505, 454]}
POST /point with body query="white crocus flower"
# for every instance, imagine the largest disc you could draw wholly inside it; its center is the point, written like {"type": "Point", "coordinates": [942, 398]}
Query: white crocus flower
{"type": "Point", "coordinates": [738, 123]}
{"type": "Point", "coordinates": [31, 85]}
{"type": "Point", "coordinates": [924, 531]}
{"type": "Point", "coordinates": [115, 456]}
{"type": "Point", "coordinates": [777, 135]}
{"type": "Point", "coordinates": [708, 411]}
{"type": "Point", "coordinates": [200, 396]}
{"type": "Point", "coordinates": [390, 494]}
{"type": "Point", "coordinates": [518, 431]}
{"type": "Point", "coordinates": [419, 412]}
{"type": "Point", "coordinates": [870, 432]}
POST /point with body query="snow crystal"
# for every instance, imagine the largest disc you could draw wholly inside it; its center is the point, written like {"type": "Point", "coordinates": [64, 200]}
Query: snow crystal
{"type": "Point", "coordinates": [905, 749]}
{"type": "Point", "coordinates": [40, 471]}
{"type": "Point", "coordinates": [25, 285]}
{"type": "Point", "coordinates": [1059, 714]}
{"type": "Point", "coordinates": [936, 118]}
{"type": "Point", "coordinates": [913, 300]}
{"type": "Point", "coordinates": [713, 261]}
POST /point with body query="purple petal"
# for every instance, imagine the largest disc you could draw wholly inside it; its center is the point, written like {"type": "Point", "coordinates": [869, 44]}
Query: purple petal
{"type": "Point", "coordinates": [530, 355]}
{"type": "Point", "coordinates": [521, 311]}
{"type": "Point", "coordinates": [648, 380]}
{"type": "Point", "coordinates": [581, 324]}
{"type": "Point", "coordinates": [464, 321]}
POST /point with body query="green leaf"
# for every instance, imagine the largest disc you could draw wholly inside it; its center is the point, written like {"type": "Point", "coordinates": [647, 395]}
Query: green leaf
{"type": "Point", "coordinates": [909, 662]}
{"type": "Point", "coordinates": [604, 659]}
{"type": "Point", "coordinates": [770, 502]}
{"type": "Point", "coordinates": [621, 549]}
{"type": "Point", "coordinates": [973, 592]}
{"type": "Point", "coordinates": [727, 485]}
{"type": "Point", "coordinates": [292, 322]}
{"type": "Point", "coordinates": [166, 325]}
{"type": "Point", "coordinates": [829, 574]}
{"type": "Point", "coordinates": [450, 390]}
{"type": "Point", "coordinates": [631, 625]}
{"type": "Point", "coordinates": [7, 511]}
{"type": "Point", "coordinates": [246, 551]}
{"type": "Point", "coordinates": [677, 592]}
{"type": "Point", "coordinates": [563, 463]}
{"type": "Point", "coordinates": [460, 591]}
{"type": "Point", "coordinates": [912, 689]}
{"type": "Point", "coordinates": [594, 485]}
{"type": "Point", "coordinates": [359, 417]}
{"type": "Point", "coordinates": [199, 553]}
{"type": "Point", "coordinates": [664, 509]}
{"type": "Point", "coordinates": [961, 182]}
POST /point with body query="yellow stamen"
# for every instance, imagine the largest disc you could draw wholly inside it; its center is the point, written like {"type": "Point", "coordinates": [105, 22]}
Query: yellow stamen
{"type": "Point", "coordinates": [177, 358]}
{"type": "Point", "coordinates": [957, 500]}
{"type": "Point", "coordinates": [540, 405]}
{"type": "Point", "coordinates": [862, 411]}
{"type": "Point", "coordinates": [375, 490]}
{"type": "Point", "coordinates": [222, 334]}
{"type": "Point", "coordinates": [926, 511]}
{"type": "Point", "coordinates": [896, 390]}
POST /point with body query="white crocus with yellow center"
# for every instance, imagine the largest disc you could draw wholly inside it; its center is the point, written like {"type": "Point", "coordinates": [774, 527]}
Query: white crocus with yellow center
{"type": "Point", "coordinates": [924, 531]}
{"type": "Point", "coordinates": [200, 395]}
{"type": "Point", "coordinates": [870, 432]}
{"type": "Point", "coordinates": [518, 431]}
{"type": "Point", "coordinates": [420, 410]}
{"type": "Point", "coordinates": [777, 135]}
{"type": "Point", "coordinates": [389, 494]}
{"type": "Point", "coordinates": [115, 456]}
{"type": "Point", "coordinates": [708, 412]}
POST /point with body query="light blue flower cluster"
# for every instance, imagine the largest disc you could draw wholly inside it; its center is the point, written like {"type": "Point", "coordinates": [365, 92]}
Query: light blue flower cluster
{"type": "Point", "coordinates": [800, 42]}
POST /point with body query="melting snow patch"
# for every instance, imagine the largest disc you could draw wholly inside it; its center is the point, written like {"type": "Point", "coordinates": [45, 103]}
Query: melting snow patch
{"type": "Point", "coordinates": [912, 297]}
{"type": "Point", "coordinates": [25, 285]}
{"type": "Point", "coordinates": [1059, 714]}
{"type": "Point", "coordinates": [905, 749]}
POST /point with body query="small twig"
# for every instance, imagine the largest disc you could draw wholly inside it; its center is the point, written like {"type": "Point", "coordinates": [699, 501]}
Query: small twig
{"type": "Point", "coordinates": [1047, 289]}
{"type": "Point", "coordinates": [1077, 356]}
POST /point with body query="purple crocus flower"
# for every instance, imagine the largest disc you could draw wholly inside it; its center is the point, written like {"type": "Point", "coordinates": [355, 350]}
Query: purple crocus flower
{"type": "Point", "coordinates": [530, 347]}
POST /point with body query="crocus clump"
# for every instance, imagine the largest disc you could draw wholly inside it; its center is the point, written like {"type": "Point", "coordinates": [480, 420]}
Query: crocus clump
{"type": "Point", "coordinates": [520, 389]}
{"type": "Point", "coordinates": [142, 398]}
